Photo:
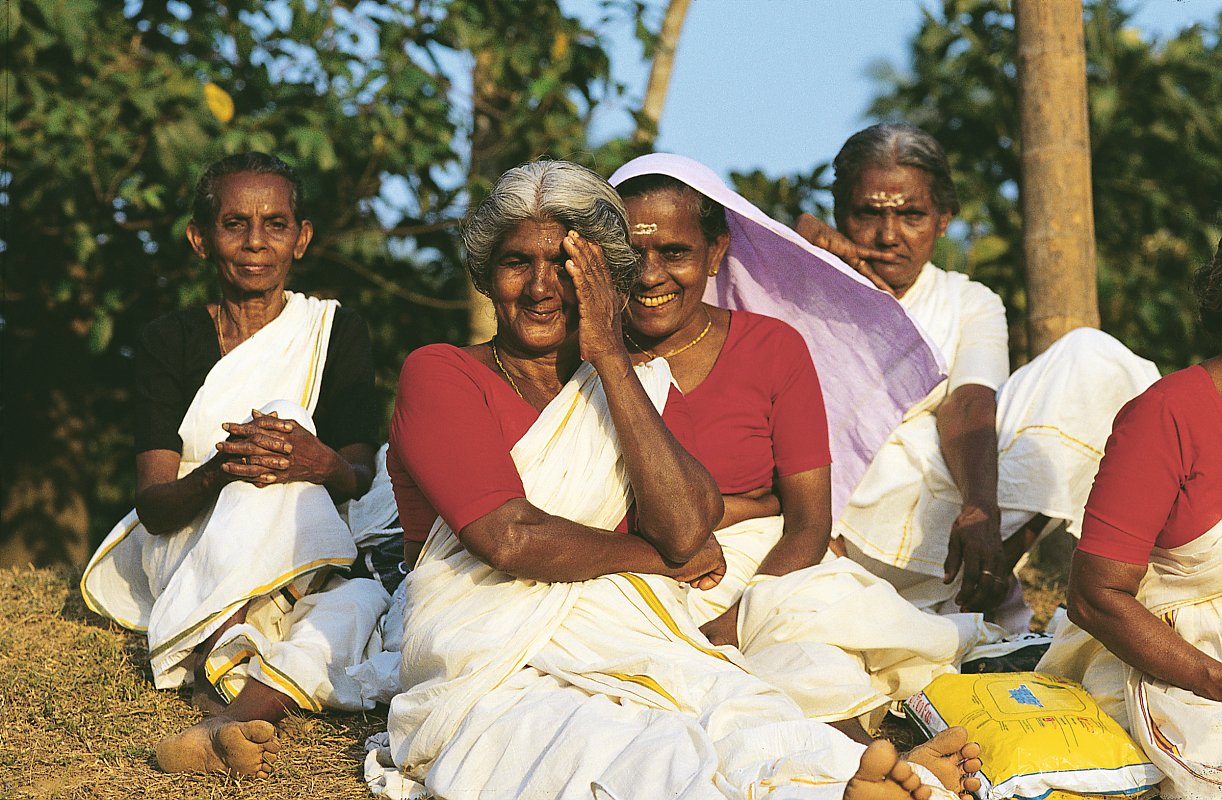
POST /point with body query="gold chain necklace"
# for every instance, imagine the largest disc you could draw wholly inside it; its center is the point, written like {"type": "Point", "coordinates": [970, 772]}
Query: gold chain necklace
{"type": "Point", "coordinates": [707, 327]}
{"type": "Point", "coordinates": [504, 371]}
{"type": "Point", "coordinates": [220, 338]}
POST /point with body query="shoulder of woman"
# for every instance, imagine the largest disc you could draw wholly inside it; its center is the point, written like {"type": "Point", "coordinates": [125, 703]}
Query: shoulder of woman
{"type": "Point", "coordinates": [776, 332]}
{"type": "Point", "coordinates": [172, 329]}
{"type": "Point", "coordinates": [436, 361]}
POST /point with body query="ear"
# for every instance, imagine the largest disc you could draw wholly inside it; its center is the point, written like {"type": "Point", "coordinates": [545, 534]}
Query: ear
{"type": "Point", "coordinates": [199, 242]}
{"type": "Point", "coordinates": [304, 237]}
{"type": "Point", "coordinates": [944, 219]}
{"type": "Point", "coordinates": [717, 252]}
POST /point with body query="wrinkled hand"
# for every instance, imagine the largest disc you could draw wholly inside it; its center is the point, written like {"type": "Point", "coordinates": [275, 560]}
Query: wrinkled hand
{"type": "Point", "coordinates": [270, 450]}
{"type": "Point", "coordinates": [598, 303]}
{"type": "Point", "coordinates": [820, 234]}
{"type": "Point", "coordinates": [705, 569]}
{"type": "Point", "coordinates": [723, 629]}
{"type": "Point", "coordinates": [976, 547]}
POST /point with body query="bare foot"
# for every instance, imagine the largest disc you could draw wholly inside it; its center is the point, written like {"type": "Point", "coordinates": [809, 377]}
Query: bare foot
{"type": "Point", "coordinates": [951, 758]}
{"type": "Point", "coordinates": [220, 744]}
{"type": "Point", "coordinates": [206, 699]}
{"type": "Point", "coordinates": [883, 776]}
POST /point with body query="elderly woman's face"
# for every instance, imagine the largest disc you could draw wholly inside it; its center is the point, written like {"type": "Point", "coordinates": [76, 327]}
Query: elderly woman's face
{"type": "Point", "coordinates": [891, 209]}
{"type": "Point", "coordinates": [676, 262]}
{"type": "Point", "coordinates": [255, 236]}
{"type": "Point", "coordinates": [536, 305]}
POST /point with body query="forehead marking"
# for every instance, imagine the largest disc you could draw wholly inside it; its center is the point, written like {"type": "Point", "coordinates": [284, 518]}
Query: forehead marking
{"type": "Point", "coordinates": [645, 228]}
{"type": "Point", "coordinates": [886, 199]}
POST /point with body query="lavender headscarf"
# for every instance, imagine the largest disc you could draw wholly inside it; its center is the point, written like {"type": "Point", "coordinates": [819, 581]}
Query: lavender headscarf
{"type": "Point", "coordinates": [874, 362]}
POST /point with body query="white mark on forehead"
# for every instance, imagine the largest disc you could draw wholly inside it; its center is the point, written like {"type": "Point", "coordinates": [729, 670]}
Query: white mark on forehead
{"type": "Point", "coordinates": [886, 199]}
{"type": "Point", "coordinates": [645, 228]}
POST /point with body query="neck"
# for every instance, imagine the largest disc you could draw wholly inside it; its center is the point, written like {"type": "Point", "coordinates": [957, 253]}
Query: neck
{"type": "Point", "coordinates": [244, 316]}
{"type": "Point", "coordinates": [546, 373]}
{"type": "Point", "coordinates": [682, 337]}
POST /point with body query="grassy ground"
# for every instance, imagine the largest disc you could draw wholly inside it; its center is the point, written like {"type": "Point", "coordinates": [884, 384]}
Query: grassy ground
{"type": "Point", "coordinates": [79, 714]}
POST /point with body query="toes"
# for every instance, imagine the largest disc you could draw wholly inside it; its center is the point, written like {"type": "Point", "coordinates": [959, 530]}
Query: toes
{"type": "Point", "coordinates": [258, 731]}
{"type": "Point", "coordinates": [877, 761]}
{"type": "Point", "coordinates": [950, 741]}
{"type": "Point", "coordinates": [903, 774]}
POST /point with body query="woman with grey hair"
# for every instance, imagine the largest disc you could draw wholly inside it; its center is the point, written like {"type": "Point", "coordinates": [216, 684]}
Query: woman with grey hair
{"type": "Point", "coordinates": [547, 648]}
{"type": "Point", "coordinates": [985, 453]}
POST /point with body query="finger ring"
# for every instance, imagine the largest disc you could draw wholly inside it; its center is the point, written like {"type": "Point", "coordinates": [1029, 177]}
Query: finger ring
{"type": "Point", "coordinates": [986, 572]}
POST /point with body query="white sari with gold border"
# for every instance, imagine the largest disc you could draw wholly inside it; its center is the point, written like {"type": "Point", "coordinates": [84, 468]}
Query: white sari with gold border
{"type": "Point", "coordinates": [605, 688]}
{"type": "Point", "coordinates": [273, 545]}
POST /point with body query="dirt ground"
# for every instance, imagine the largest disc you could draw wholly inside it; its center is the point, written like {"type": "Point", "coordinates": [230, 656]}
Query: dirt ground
{"type": "Point", "coordinates": [79, 714]}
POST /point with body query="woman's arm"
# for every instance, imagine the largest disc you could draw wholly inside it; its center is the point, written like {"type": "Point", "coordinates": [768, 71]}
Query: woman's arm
{"type": "Point", "coordinates": [967, 431]}
{"type": "Point", "coordinates": [165, 502]}
{"type": "Point", "coordinates": [1103, 602]}
{"type": "Point", "coordinates": [526, 542]}
{"type": "Point", "coordinates": [807, 502]}
{"type": "Point", "coordinates": [677, 501]}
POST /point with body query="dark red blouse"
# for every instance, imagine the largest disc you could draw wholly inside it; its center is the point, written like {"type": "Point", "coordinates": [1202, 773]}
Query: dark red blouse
{"type": "Point", "coordinates": [1160, 481]}
{"type": "Point", "coordinates": [454, 424]}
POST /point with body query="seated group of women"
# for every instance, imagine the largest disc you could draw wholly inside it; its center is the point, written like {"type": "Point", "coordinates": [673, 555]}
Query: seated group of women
{"type": "Point", "coordinates": [619, 509]}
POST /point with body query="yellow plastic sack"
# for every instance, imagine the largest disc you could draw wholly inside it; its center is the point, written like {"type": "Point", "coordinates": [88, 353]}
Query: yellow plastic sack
{"type": "Point", "coordinates": [1040, 736]}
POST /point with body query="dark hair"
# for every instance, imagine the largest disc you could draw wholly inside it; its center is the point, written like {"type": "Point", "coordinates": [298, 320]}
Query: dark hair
{"type": "Point", "coordinates": [710, 214]}
{"type": "Point", "coordinates": [550, 191]}
{"type": "Point", "coordinates": [1207, 285]}
{"type": "Point", "coordinates": [898, 144]}
{"type": "Point", "coordinates": [207, 203]}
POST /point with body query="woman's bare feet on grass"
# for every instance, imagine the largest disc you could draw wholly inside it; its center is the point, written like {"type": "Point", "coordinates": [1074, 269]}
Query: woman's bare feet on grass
{"type": "Point", "coordinates": [883, 776]}
{"type": "Point", "coordinates": [951, 758]}
{"type": "Point", "coordinates": [220, 744]}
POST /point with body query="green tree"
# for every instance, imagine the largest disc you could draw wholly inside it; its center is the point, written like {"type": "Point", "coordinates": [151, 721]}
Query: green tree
{"type": "Point", "coordinates": [1156, 140]}
{"type": "Point", "coordinates": [112, 115]}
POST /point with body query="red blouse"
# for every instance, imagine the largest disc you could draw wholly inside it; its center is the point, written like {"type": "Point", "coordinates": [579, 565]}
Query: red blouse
{"type": "Point", "coordinates": [1160, 481]}
{"type": "Point", "coordinates": [453, 426]}
{"type": "Point", "coordinates": [760, 412]}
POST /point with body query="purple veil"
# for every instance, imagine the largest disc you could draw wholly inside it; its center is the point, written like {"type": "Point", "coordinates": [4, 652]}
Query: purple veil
{"type": "Point", "coordinates": [874, 362]}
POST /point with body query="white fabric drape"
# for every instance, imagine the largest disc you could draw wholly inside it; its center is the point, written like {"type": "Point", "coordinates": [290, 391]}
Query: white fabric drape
{"type": "Point", "coordinates": [272, 546]}
{"type": "Point", "coordinates": [1179, 731]}
{"type": "Point", "coordinates": [606, 688]}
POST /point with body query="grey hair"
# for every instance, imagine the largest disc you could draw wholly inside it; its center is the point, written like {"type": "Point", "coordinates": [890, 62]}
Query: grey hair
{"type": "Point", "coordinates": [1207, 285]}
{"type": "Point", "coordinates": [207, 202]}
{"type": "Point", "coordinates": [888, 145]}
{"type": "Point", "coordinates": [551, 191]}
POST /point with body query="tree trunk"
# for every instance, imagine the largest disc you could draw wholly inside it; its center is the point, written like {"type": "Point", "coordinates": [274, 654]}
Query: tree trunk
{"type": "Point", "coordinates": [659, 73]}
{"type": "Point", "coordinates": [1058, 219]}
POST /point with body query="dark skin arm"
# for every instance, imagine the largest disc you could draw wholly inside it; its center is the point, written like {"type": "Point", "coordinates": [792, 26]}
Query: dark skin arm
{"type": "Point", "coordinates": [820, 234]}
{"type": "Point", "coordinates": [277, 451]}
{"type": "Point", "coordinates": [967, 429]}
{"type": "Point", "coordinates": [807, 500]}
{"type": "Point", "coordinates": [1103, 602]}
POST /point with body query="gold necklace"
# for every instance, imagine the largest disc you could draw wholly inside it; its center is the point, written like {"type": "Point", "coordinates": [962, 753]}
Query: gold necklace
{"type": "Point", "coordinates": [504, 371]}
{"type": "Point", "coordinates": [707, 327]}
{"type": "Point", "coordinates": [220, 338]}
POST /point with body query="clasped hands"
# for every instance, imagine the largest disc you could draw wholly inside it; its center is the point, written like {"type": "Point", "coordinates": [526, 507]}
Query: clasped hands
{"type": "Point", "coordinates": [270, 450]}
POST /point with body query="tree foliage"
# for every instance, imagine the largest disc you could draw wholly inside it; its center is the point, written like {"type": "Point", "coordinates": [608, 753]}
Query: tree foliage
{"type": "Point", "coordinates": [1156, 146]}
{"type": "Point", "coordinates": [112, 116]}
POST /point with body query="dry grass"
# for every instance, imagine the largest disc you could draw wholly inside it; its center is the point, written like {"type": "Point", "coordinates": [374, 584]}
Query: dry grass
{"type": "Point", "coordinates": [79, 714]}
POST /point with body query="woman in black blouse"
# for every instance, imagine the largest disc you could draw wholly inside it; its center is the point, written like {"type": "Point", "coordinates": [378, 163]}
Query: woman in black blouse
{"type": "Point", "coordinates": [255, 418]}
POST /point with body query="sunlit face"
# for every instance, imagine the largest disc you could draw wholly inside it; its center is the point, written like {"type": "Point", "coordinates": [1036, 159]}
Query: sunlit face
{"type": "Point", "coordinates": [536, 305]}
{"type": "Point", "coordinates": [891, 209]}
{"type": "Point", "coordinates": [676, 262]}
{"type": "Point", "coordinates": [255, 236]}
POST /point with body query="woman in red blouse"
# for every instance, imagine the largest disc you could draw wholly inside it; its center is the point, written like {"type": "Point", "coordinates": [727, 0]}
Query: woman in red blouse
{"type": "Point", "coordinates": [1146, 580]}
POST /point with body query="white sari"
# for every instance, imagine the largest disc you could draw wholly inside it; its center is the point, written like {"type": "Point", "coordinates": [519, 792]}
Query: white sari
{"type": "Point", "coordinates": [274, 546]}
{"type": "Point", "coordinates": [605, 688]}
{"type": "Point", "coordinates": [1179, 731]}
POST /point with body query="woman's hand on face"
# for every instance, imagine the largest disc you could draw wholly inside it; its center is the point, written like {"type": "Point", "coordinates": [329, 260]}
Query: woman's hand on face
{"type": "Point", "coordinates": [598, 302]}
{"type": "Point", "coordinates": [976, 547]}
{"type": "Point", "coordinates": [270, 450]}
{"type": "Point", "coordinates": [820, 234]}
{"type": "Point", "coordinates": [723, 629]}
{"type": "Point", "coordinates": [705, 569]}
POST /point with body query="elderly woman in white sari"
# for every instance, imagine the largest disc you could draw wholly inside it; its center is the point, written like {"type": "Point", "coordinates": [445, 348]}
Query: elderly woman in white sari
{"type": "Point", "coordinates": [1145, 589]}
{"type": "Point", "coordinates": [984, 453]}
{"type": "Point", "coordinates": [548, 650]}
{"type": "Point", "coordinates": [256, 418]}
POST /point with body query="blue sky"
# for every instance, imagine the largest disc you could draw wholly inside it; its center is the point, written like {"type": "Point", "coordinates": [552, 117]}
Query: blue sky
{"type": "Point", "coordinates": [780, 84]}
